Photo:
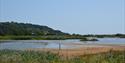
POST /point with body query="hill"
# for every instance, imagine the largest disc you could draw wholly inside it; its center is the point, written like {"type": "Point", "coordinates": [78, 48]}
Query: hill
{"type": "Point", "coordinates": [14, 28]}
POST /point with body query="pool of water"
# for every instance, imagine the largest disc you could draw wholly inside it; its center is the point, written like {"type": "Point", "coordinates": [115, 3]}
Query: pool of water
{"type": "Point", "coordinates": [25, 44]}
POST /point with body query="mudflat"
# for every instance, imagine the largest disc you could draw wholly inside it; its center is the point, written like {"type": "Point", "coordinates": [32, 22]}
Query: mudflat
{"type": "Point", "coordinates": [82, 50]}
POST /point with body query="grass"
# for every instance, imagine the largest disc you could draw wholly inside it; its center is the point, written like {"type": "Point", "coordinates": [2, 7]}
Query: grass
{"type": "Point", "coordinates": [13, 56]}
{"type": "Point", "coordinates": [54, 37]}
{"type": "Point", "coordinates": [31, 38]}
{"type": "Point", "coordinates": [108, 57]}
{"type": "Point", "coordinates": [49, 37]}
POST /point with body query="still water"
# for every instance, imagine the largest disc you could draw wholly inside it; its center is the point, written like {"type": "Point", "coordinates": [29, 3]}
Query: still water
{"type": "Point", "coordinates": [65, 44]}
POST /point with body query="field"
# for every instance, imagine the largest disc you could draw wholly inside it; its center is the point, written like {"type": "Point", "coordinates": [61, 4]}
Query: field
{"type": "Point", "coordinates": [16, 56]}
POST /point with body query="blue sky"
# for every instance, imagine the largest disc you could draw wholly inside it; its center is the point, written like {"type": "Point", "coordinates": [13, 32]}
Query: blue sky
{"type": "Point", "coordinates": [73, 16]}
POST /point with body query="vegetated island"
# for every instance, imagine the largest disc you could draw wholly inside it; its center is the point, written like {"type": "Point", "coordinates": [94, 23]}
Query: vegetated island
{"type": "Point", "coordinates": [27, 31]}
{"type": "Point", "coordinates": [89, 39]}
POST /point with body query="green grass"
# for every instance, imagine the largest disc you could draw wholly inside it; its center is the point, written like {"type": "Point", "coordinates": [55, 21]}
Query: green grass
{"type": "Point", "coordinates": [108, 57]}
{"type": "Point", "coordinates": [49, 37]}
{"type": "Point", "coordinates": [13, 56]}
{"type": "Point", "coordinates": [31, 38]}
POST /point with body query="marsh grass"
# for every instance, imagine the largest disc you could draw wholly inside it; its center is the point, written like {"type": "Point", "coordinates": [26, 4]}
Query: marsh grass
{"type": "Point", "coordinates": [49, 37]}
{"type": "Point", "coordinates": [32, 38]}
{"type": "Point", "coordinates": [13, 56]}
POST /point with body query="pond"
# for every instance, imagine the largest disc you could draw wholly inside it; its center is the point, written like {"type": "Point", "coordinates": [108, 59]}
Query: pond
{"type": "Point", "coordinates": [65, 44]}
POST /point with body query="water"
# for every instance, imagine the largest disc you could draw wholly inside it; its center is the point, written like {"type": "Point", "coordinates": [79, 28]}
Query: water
{"type": "Point", "coordinates": [65, 44]}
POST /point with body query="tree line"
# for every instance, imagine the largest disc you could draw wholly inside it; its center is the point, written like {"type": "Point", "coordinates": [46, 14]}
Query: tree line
{"type": "Point", "coordinates": [14, 28]}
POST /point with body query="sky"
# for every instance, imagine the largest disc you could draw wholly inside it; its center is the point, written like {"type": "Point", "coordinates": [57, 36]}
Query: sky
{"type": "Point", "coordinates": [72, 16]}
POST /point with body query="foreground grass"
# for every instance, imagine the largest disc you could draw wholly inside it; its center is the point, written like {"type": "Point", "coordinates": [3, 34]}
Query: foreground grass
{"type": "Point", "coordinates": [108, 57]}
{"type": "Point", "coordinates": [12, 56]}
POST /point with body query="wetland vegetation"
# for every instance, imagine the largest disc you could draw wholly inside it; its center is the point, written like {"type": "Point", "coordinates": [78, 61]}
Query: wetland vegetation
{"type": "Point", "coordinates": [16, 56]}
{"type": "Point", "coordinates": [89, 39]}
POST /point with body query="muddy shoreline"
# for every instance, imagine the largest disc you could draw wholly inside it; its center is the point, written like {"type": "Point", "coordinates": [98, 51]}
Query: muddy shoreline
{"type": "Point", "coordinates": [83, 50]}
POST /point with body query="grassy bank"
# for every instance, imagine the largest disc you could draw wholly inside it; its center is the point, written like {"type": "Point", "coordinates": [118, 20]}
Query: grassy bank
{"type": "Point", "coordinates": [31, 38]}
{"type": "Point", "coordinates": [49, 37]}
{"type": "Point", "coordinates": [58, 37]}
{"type": "Point", "coordinates": [12, 56]}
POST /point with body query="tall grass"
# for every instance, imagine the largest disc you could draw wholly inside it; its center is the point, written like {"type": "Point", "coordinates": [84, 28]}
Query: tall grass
{"type": "Point", "coordinates": [12, 56]}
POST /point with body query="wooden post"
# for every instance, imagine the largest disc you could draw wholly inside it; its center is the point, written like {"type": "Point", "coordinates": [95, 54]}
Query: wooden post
{"type": "Point", "coordinates": [60, 45]}
{"type": "Point", "coordinates": [59, 48]}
